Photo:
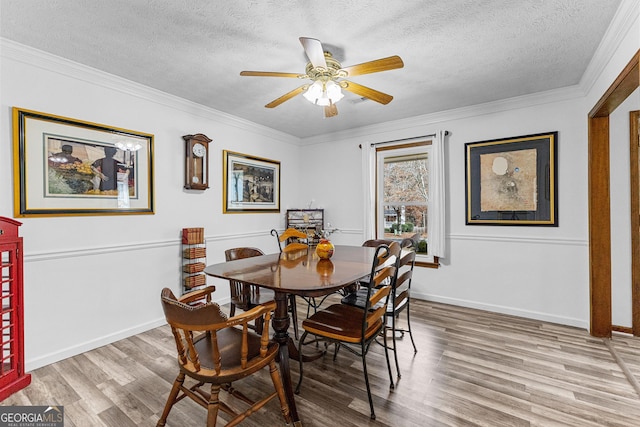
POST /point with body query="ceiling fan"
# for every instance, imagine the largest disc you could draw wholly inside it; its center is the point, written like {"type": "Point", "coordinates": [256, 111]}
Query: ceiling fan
{"type": "Point", "coordinates": [329, 77]}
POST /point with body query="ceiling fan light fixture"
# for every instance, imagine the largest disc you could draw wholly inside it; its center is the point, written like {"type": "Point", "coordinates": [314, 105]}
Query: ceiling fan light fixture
{"type": "Point", "coordinates": [334, 92]}
{"type": "Point", "coordinates": [323, 94]}
{"type": "Point", "coordinates": [314, 92]}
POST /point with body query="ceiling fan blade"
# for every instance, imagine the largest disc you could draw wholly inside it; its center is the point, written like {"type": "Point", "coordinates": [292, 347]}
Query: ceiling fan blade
{"type": "Point", "coordinates": [287, 96]}
{"type": "Point", "coordinates": [376, 66]}
{"type": "Point", "coordinates": [367, 92]}
{"type": "Point", "coordinates": [315, 52]}
{"type": "Point", "coordinates": [330, 110]}
{"type": "Point", "coordinates": [269, 74]}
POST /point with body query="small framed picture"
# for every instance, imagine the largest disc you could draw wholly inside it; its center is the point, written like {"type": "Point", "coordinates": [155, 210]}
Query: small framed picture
{"type": "Point", "coordinates": [513, 181]}
{"type": "Point", "coordinates": [250, 184]}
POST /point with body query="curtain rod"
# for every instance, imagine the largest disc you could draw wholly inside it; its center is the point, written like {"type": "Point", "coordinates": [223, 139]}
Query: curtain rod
{"type": "Point", "coordinates": [373, 144]}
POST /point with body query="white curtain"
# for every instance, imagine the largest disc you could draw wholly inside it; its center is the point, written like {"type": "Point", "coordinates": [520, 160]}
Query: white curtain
{"type": "Point", "coordinates": [436, 226]}
{"type": "Point", "coordinates": [369, 190]}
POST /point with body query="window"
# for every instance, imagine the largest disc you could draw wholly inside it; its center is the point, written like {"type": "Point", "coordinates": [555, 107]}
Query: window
{"type": "Point", "coordinates": [402, 194]}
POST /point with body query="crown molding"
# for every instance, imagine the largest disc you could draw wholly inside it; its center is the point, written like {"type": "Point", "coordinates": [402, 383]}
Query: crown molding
{"type": "Point", "coordinates": [429, 120]}
{"type": "Point", "coordinates": [623, 21]}
{"type": "Point", "coordinates": [37, 58]}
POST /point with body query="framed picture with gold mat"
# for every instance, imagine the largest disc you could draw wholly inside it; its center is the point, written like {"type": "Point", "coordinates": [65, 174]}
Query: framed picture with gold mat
{"type": "Point", "coordinates": [250, 184]}
{"type": "Point", "coordinates": [512, 181]}
{"type": "Point", "coordinates": [65, 166]}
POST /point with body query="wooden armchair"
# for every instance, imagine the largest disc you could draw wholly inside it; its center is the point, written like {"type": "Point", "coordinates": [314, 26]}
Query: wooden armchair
{"type": "Point", "coordinates": [213, 350]}
{"type": "Point", "coordinates": [244, 295]}
{"type": "Point", "coordinates": [352, 327]}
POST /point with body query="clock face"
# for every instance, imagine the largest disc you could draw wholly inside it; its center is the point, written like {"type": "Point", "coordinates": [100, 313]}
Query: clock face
{"type": "Point", "coordinates": [199, 149]}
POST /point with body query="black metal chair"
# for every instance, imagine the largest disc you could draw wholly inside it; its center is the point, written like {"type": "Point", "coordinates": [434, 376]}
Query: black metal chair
{"type": "Point", "coordinates": [352, 327]}
{"type": "Point", "coordinates": [399, 297]}
{"type": "Point", "coordinates": [399, 300]}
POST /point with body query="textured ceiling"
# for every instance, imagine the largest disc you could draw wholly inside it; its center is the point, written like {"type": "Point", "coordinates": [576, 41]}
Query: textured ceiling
{"type": "Point", "coordinates": [456, 53]}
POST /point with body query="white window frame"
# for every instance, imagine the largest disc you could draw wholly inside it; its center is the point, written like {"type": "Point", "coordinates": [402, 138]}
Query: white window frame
{"type": "Point", "coordinates": [383, 152]}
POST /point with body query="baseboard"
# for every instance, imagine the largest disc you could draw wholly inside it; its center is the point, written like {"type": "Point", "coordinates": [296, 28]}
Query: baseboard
{"type": "Point", "coordinates": [38, 362]}
{"type": "Point", "coordinates": [545, 317]}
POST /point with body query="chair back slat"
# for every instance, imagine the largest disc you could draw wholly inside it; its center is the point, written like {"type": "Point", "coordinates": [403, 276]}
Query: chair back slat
{"type": "Point", "coordinates": [375, 313]}
{"type": "Point", "coordinates": [404, 279]}
{"type": "Point", "coordinates": [244, 350]}
{"type": "Point", "coordinates": [241, 253]}
{"type": "Point", "coordinates": [182, 356]}
{"type": "Point", "coordinates": [400, 298]}
{"type": "Point", "coordinates": [264, 340]}
{"type": "Point", "coordinates": [292, 233]}
{"type": "Point", "coordinates": [379, 278]}
{"type": "Point", "coordinates": [378, 294]}
{"type": "Point", "coordinates": [192, 353]}
{"type": "Point", "coordinates": [374, 243]}
{"type": "Point", "coordinates": [294, 247]}
{"type": "Point", "coordinates": [215, 352]}
{"type": "Point", "coordinates": [293, 239]}
{"type": "Point", "coordinates": [407, 258]}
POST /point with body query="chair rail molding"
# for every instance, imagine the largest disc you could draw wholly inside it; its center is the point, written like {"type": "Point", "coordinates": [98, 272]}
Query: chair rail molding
{"type": "Point", "coordinates": [131, 246]}
{"type": "Point", "coordinates": [521, 239]}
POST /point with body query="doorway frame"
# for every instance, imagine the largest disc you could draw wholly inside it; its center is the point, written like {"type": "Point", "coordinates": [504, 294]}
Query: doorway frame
{"type": "Point", "coordinates": [600, 200]}
{"type": "Point", "coordinates": [634, 155]}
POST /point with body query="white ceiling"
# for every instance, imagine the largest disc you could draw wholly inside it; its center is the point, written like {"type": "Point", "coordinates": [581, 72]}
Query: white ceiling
{"type": "Point", "coordinates": [456, 52]}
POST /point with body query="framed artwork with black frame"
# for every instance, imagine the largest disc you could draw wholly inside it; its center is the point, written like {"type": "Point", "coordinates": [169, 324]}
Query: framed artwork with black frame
{"type": "Point", "coordinates": [69, 167]}
{"type": "Point", "coordinates": [512, 181]}
{"type": "Point", "coordinates": [250, 184]}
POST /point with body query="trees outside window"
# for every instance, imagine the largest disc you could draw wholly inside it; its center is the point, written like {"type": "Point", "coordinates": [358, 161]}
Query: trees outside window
{"type": "Point", "coordinates": [403, 193]}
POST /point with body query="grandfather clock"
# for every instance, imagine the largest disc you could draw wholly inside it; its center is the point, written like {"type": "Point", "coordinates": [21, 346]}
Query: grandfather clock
{"type": "Point", "coordinates": [12, 375]}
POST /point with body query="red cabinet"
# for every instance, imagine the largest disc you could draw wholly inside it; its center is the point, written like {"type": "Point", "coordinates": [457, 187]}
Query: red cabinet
{"type": "Point", "coordinates": [12, 375]}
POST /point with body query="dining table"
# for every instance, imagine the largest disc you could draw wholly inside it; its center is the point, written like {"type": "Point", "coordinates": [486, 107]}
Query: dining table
{"type": "Point", "coordinates": [301, 273]}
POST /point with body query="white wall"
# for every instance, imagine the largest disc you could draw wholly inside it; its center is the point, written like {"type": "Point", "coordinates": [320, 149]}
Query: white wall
{"type": "Point", "coordinates": [538, 272]}
{"type": "Point", "coordinates": [92, 280]}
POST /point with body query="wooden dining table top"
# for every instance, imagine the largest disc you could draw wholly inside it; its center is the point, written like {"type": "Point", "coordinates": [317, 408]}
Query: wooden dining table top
{"type": "Point", "coordinates": [300, 272]}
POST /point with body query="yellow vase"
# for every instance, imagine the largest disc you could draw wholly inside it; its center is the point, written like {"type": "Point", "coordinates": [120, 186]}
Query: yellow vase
{"type": "Point", "coordinates": [325, 249]}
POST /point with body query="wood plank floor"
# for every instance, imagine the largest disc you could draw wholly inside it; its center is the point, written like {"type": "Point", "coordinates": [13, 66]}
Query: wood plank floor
{"type": "Point", "coordinates": [473, 368]}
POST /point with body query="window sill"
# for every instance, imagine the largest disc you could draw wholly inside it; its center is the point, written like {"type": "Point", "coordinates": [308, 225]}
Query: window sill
{"type": "Point", "coordinates": [427, 262]}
